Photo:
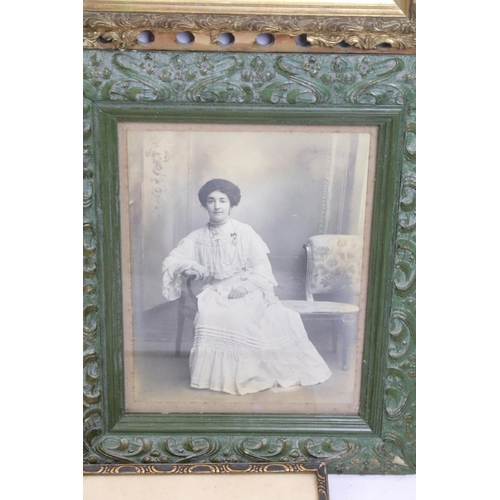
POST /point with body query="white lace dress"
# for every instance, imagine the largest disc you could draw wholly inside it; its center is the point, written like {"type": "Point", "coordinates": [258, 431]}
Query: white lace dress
{"type": "Point", "coordinates": [241, 345]}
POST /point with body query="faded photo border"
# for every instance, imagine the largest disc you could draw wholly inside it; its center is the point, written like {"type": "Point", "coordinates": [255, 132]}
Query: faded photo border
{"type": "Point", "coordinates": [312, 180]}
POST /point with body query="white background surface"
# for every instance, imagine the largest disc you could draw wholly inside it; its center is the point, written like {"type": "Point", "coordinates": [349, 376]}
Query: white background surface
{"type": "Point", "coordinates": [372, 487]}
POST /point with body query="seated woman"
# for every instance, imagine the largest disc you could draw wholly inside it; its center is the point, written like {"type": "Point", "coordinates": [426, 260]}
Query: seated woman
{"type": "Point", "coordinates": [245, 339]}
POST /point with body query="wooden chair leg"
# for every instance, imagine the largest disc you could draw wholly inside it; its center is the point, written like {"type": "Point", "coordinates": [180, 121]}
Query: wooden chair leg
{"type": "Point", "coordinates": [335, 338]}
{"type": "Point", "coordinates": [180, 325]}
{"type": "Point", "coordinates": [345, 346]}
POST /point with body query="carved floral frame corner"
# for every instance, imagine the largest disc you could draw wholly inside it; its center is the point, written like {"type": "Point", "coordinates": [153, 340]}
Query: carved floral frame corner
{"type": "Point", "coordinates": [382, 84]}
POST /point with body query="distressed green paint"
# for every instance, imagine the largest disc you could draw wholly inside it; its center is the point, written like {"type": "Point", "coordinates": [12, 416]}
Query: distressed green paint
{"type": "Point", "coordinates": [255, 88]}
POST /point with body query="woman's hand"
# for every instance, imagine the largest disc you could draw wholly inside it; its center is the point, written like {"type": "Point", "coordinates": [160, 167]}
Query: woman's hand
{"type": "Point", "coordinates": [198, 271]}
{"type": "Point", "coordinates": [237, 293]}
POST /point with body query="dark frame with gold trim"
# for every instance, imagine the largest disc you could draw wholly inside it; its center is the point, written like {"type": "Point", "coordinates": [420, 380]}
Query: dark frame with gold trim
{"type": "Point", "coordinates": [221, 470]}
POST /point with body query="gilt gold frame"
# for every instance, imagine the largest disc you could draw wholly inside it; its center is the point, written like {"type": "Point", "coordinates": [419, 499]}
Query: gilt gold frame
{"type": "Point", "coordinates": [210, 481]}
{"type": "Point", "coordinates": [327, 25]}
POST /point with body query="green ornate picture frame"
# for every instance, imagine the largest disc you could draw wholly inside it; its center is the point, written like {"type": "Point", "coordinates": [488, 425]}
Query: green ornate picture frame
{"type": "Point", "coordinates": [297, 88]}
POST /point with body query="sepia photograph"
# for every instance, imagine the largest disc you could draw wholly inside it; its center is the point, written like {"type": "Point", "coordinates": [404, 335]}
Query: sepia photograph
{"type": "Point", "coordinates": [244, 266]}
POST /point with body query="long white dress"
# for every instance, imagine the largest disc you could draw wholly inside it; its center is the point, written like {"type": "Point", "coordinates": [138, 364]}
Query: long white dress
{"type": "Point", "coordinates": [248, 344]}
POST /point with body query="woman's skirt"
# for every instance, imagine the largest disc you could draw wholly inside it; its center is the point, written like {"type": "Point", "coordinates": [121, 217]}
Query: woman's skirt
{"type": "Point", "coordinates": [248, 345]}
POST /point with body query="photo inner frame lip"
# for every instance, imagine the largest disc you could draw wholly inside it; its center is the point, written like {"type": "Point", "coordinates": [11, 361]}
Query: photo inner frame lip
{"type": "Point", "coordinates": [365, 428]}
{"type": "Point", "coordinates": [173, 405]}
{"type": "Point", "coordinates": [369, 421]}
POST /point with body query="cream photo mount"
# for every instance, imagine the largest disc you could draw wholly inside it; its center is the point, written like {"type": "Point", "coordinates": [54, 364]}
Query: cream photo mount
{"type": "Point", "coordinates": [351, 8]}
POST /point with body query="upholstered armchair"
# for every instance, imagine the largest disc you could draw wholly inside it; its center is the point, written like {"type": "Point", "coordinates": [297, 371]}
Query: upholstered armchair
{"type": "Point", "coordinates": [334, 263]}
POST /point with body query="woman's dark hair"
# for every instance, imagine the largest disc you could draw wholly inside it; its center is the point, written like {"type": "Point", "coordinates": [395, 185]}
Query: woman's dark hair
{"type": "Point", "coordinates": [232, 191]}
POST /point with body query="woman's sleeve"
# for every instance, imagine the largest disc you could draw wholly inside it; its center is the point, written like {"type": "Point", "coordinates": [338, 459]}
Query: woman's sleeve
{"type": "Point", "coordinates": [180, 259]}
{"type": "Point", "coordinates": [260, 273]}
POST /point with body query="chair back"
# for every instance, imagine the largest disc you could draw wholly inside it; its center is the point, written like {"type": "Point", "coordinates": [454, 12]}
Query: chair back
{"type": "Point", "coordinates": [334, 266]}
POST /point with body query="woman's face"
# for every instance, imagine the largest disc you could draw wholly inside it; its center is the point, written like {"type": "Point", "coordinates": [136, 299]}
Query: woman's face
{"type": "Point", "coordinates": [218, 207]}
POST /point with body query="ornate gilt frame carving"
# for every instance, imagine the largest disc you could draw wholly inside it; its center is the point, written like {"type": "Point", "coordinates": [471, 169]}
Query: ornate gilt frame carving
{"type": "Point", "coordinates": [327, 27]}
{"type": "Point", "coordinates": [223, 472]}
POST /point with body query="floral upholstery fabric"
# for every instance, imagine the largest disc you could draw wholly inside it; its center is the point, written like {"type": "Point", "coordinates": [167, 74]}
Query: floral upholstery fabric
{"type": "Point", "coordinates": [334, 265]}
